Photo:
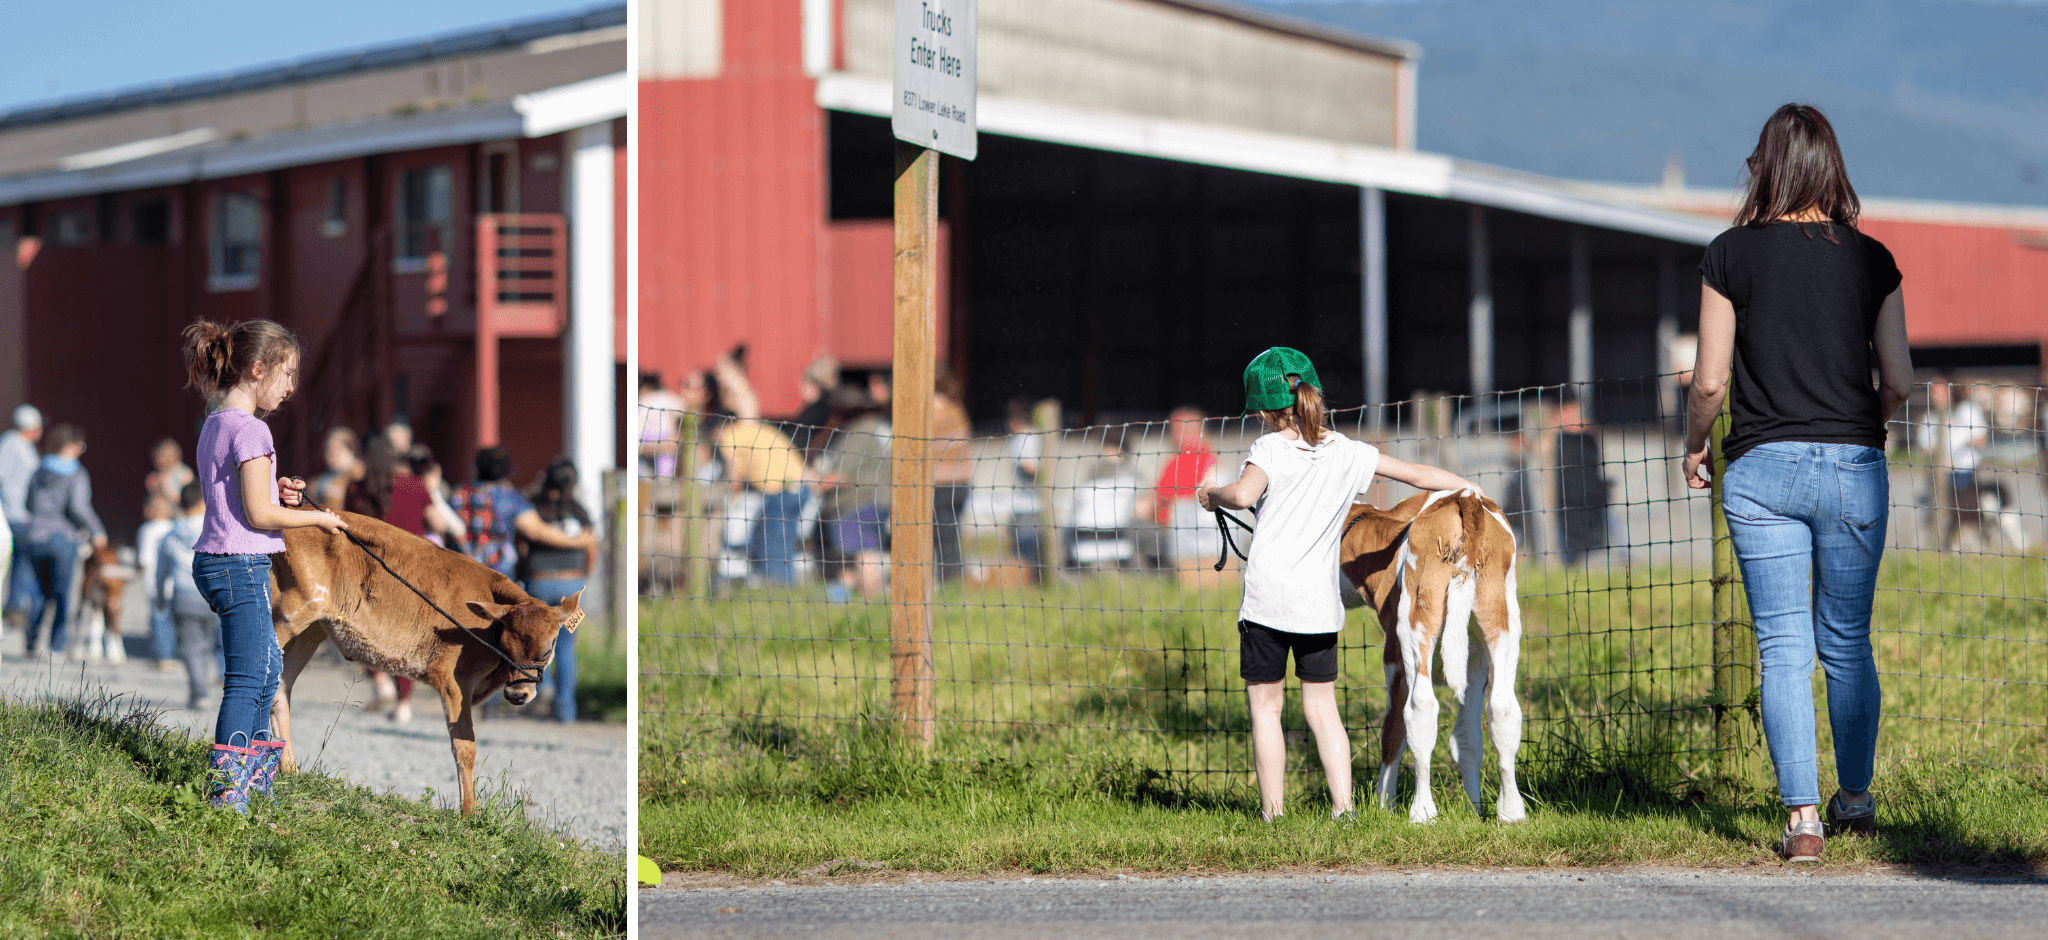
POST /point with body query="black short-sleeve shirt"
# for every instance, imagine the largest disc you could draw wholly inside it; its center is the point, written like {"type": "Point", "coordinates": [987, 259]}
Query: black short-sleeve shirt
{"type": "Point", "coordinates": [1805, 313]}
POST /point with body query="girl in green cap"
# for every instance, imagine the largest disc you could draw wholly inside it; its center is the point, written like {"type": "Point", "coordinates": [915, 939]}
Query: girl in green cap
{"type": "Point", "coordinates": [1303, 477]}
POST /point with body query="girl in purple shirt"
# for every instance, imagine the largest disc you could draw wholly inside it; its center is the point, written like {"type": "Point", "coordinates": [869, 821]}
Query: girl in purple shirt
{"type": "Point", "coordinates": [245, 371]}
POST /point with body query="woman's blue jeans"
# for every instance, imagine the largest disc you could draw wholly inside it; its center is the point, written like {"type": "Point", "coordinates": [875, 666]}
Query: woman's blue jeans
{"type": "Point", "coordinates": [561, 675]}
{"type": "Point", "coordinates": [1808, 522]}
{"type": "Point", "coordinates": [51, 564]}
{"type": "Point", "coordinates": [774, 541]}
{"type": "Point", "coordinates": [237, 587]}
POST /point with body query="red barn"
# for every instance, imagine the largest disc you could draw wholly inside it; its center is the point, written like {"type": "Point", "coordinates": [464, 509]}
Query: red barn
{"type": "Point", "coordinates": [438, 220]}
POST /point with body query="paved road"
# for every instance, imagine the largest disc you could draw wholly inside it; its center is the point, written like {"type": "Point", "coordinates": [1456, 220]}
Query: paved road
{"type": "Point", "coordinates": [574, 775]}
{"type": "Point", "coordinates": [1655, 904]}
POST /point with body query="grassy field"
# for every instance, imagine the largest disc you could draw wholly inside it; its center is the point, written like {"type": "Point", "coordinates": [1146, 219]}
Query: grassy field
{"type": "Point", "coordinates": [602, 685]}
{"type": "Point", "coordinates": [108, 835]}
{"type": "Point", "coordinates": [1113, 709]}
{"type": "Point", "coordinates": [764, 817]}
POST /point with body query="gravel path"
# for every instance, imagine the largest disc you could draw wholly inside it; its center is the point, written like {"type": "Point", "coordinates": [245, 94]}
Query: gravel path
{"type": "Point", "coordinates": [574, 775]}
{"type": "Point", "coordinates": [1661, 904]}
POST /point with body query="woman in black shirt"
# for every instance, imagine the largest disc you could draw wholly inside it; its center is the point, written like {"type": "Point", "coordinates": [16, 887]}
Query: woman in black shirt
{"type": "Point", "coordinates": [551, 573]}
{"type": "Point", "coordinates": [1802, 306]}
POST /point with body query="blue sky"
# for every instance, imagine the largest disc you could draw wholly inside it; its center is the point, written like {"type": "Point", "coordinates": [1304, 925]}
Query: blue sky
{"type": "Point", "coordinates": [57, 49]}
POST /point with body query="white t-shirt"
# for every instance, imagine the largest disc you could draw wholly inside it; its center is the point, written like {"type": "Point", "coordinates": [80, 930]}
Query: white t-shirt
{"type": "Point", "coordinates": [1968, 428]}
{"type": "Point", "coordinates": [1290, 577]}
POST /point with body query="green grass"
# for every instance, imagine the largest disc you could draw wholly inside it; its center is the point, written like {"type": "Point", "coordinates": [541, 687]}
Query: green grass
{"type": "Point", "coordinates": [1113, 710]}
{"type": "Point", "coordinates": [109, 835]}
{"type": "Point", "coordinates": [770, 817]}
{"type": "Point", "coordinates": [602, 680]}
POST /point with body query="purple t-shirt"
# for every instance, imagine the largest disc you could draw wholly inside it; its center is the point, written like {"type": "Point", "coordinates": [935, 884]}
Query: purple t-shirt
{"type": "Point", "coordinates": [231, 438]}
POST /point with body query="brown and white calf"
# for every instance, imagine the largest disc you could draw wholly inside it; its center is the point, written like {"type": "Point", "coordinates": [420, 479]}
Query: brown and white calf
{"type": "Point", "coordinates": [1429, 567]}
{"type": "Point", "coordinates": [102, 582]}
{"type": "Point", "coordinates": [325, 587]}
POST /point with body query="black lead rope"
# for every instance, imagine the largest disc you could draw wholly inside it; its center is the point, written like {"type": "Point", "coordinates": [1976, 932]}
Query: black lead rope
{"type": "Point", "coordinates": [1229, 544]}
{"type": "Point", "coordinates": [531, 672]}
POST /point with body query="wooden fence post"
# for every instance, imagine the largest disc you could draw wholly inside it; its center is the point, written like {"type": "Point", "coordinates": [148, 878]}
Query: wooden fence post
{"type": "Point", "coordinates": [910, 472]}
{"type": "Point", "coordinates": [1735, 677]}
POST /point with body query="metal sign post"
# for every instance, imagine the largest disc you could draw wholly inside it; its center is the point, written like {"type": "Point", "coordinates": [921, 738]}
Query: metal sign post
{"type": "Point", "coordinates": [933, 114]}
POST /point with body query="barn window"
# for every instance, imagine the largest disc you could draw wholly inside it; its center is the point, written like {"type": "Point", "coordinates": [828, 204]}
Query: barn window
{"type": "Point", "coordinates": [425, 208]}
{"type": "Point", "coordinates": [151, 220]}
{"type": "Point", "coordinates": [70, 227]}
{"type": "Point", "coordinates": [237, 239]}
{"type": "Point", "coordinates": [335, 223]}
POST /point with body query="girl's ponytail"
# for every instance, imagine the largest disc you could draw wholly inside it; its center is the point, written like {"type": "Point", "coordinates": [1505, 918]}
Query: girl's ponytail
{"type": "Point", "coordinates": [1308, 412]}
{"type": "Point", "coordinates": [209, 357]}
{"type": "Point", "coordinates": [218, 358]}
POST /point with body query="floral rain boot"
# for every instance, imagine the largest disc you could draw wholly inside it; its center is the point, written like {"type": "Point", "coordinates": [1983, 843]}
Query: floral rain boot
{"type": "Point", "coordinates": [263, 771]}
{"type": "Point", "coordinates": [228, 773]}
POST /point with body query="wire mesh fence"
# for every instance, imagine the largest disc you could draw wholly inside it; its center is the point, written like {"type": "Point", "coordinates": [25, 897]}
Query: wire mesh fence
{"type": "Point", "coordinates": [1079, 617]}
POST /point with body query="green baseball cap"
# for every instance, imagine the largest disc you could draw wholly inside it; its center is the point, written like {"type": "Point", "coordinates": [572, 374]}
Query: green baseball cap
{"type": "Point", "coordinates": [1265, 380]}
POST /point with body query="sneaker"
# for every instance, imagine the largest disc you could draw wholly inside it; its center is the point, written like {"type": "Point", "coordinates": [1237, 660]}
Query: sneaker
{"type": "Point", "coordinates": [1803, 842]}
{"type": "Point", "coordinates": [1271, 818]}
{"type": "Point", "coordinates": [1347, 816]}
{"type": "Point", "coordinates": [1852, 815]}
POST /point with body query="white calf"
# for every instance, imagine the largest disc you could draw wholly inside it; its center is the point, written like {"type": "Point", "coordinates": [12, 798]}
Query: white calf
{"type": "Point", "coordinates": [1454, 558]}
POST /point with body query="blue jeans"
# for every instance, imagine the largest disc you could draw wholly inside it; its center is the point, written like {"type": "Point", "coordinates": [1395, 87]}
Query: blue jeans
{"type": "Point", "coordinates": [51, 563]}
{"type": "Point", "coordinates": [773, 541]}
{"type": "Point", "coordinates": [1808, 522]}
{"type": "Point", "coordinates": [237, 587]}
{"type": "Point", "coordinates": [163, 634]}
{"type": "Point", "coordinates": [561, 676]}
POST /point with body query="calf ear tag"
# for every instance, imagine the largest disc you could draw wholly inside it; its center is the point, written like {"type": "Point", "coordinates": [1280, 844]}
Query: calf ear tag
{"type": "Point", "coordinates": [572, 620]}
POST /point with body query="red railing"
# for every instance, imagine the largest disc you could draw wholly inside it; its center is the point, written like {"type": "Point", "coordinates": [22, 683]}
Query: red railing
{"type": "Point", "coordinates": [522, 277]}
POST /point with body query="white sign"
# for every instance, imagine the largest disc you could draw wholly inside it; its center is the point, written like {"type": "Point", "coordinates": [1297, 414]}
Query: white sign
{"type": "Point", "coordinates": [935, 75]}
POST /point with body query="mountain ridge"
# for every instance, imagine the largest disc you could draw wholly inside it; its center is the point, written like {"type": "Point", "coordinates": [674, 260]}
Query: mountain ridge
{"type": "Point", "coordinates": [1932, 99]}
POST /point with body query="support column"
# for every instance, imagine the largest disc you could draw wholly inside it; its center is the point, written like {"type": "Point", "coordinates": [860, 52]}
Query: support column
{"type": "Point", "coordinates": [588, 357]}
{"type": "Point", "coordinates": [13, 314]}
{"type": "Point", "coordinates": [1581, 330]}
{"type": "Point", "coordinates": [1479, 317]}
{"type": "Point", "coordinates": [1372, 226]}
{"type": "Point", "coordinates": [1667, 332]}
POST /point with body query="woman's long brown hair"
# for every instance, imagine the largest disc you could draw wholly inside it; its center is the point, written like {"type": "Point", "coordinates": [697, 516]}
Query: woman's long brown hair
{"type": "Point", "coordinates": [1797, 166]}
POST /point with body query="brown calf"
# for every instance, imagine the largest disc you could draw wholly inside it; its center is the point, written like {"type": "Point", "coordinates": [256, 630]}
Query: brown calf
{"type": "Point", "coordinates": [325, 587]}
{"type": "Point", "coordinates": [1427, 566]}
{"type": "Point", "coordinates": [102, 582]}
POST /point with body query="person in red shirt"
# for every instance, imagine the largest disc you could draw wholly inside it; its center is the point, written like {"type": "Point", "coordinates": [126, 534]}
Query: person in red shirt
{"type": "Point", "coordinates": [1190, 532]}
{"type": "Point", "coordinates": [1190, 466]}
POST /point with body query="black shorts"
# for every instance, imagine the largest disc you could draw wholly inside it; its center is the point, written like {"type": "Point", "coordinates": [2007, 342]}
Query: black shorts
{"type": "Point", "coordinates": [1262, 652]}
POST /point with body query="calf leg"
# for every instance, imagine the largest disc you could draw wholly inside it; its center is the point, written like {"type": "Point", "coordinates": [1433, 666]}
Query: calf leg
{"type": "Point", "coordinates": [298, 651]}
{"type": "Point", "coordinates": [461, 736]}
{"type": "Point", "coordinates": [1393, 726]}
{"type": "Point", "coordinates": [1420, 716]}
{"type": "Point", "coordinates": [1465, 673]}
{"type": "Point", "coordinates": [1500, 618]}
{"type": "Point", "coordinates": [1421, 620]}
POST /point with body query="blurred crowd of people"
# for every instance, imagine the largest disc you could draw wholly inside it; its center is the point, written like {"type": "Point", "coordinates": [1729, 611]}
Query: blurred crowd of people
{"type": "Point", "coordinates": [539, 535]}
{"type": "Point", "coordinates": [810, 499]}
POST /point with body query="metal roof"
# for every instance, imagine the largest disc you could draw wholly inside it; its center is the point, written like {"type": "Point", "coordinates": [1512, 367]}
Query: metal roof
{"type": "Point", "coordinates": [1281, 22]}
{"type": "Point", "coordinates": [531, 115]}
{"type": "Point", "coordinates": [468, 42]}
{"type": "Point", "coordinates": [1404, 171]}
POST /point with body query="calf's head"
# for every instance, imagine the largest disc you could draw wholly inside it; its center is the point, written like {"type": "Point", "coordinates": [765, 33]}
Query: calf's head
{"type": "Point", "coordinates": [528, 636]}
